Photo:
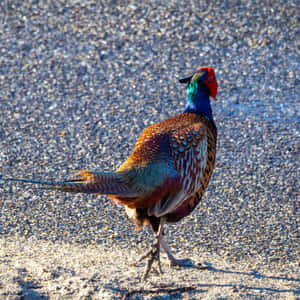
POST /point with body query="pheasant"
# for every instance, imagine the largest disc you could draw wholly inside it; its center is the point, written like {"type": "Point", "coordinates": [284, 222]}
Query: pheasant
{"type": "Point", "coordinates": [168, 171]}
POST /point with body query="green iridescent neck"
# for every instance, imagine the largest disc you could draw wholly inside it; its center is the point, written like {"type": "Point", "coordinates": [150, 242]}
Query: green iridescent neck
{"type": "Point", "coordinates": [192, 91]}
{"type": "Point", "coordinates": [198, 101]}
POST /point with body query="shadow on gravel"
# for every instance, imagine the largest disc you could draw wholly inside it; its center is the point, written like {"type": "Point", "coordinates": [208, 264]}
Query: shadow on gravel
{"type": "Point", "coordinates": [173, 292]}
{"type": "Point", "coordinates": [127, 294]}
{"type": "Point", "coordinates": [254, 273]}
{"type": "Point", "coordinates": [253, 288]}
{"type": "Point", "coordinates": [28, 290]}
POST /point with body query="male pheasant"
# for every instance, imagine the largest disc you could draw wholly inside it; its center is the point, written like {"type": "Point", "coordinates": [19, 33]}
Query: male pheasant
{"type": "Point", "coordinates": [168, 171]}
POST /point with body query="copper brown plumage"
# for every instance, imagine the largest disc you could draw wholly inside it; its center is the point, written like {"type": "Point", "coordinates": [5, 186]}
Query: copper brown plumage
{"type": "Point", "coordinates": [168, 171]}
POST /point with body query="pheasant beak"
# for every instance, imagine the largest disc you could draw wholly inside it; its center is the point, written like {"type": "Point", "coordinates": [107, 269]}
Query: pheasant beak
{"type": "Point", "coordinates": [185, 80]}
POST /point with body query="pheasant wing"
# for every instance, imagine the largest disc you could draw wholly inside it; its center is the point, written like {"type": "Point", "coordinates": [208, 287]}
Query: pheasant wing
{"type": "Point", "coordinates": [150, 171]}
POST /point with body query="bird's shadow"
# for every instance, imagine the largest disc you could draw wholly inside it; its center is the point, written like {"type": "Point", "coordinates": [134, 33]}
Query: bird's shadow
{"type": "Point", "coordinates": [29, 290]}
{"type": "Point", "coordinates": [254, 274]}
{"type": "Point", "coordinates": [203, 287]}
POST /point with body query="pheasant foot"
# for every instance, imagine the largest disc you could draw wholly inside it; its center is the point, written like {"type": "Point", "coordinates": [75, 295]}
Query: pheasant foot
{"type": "Point", "coordinates": [154, 252]}
{"type": "Point", "coordinates": [179, 262]}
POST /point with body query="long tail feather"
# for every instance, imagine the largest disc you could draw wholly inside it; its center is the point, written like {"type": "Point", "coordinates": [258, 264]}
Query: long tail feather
{"type": "Point", "coordinates": [86, 182]}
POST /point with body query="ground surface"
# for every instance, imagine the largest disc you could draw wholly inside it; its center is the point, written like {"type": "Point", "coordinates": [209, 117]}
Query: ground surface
{"type": "Point", "coordinates": [81, 79]}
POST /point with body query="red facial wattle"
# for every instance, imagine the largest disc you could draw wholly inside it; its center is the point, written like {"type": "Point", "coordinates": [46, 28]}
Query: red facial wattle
{"type": "Point", "coordinates": [211, 81]}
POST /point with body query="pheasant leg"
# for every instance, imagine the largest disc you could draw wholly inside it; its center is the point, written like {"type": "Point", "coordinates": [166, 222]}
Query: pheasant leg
{"type": "Point", "coordinates": [154, 252]}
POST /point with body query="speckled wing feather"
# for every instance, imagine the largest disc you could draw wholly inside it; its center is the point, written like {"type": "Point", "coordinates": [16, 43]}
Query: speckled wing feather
{"type": "Point", "coordinates": [149, 171]}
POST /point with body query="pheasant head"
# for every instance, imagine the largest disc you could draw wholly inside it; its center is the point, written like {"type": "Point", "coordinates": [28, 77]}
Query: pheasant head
{"type": "Point", "coordinates": [204, 79]}
{"type": "Point", "coordinates": [200, 86]}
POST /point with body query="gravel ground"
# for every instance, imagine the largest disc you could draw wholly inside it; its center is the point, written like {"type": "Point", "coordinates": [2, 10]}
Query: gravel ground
{"type": "Point", "coordinates": [81, 79]}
